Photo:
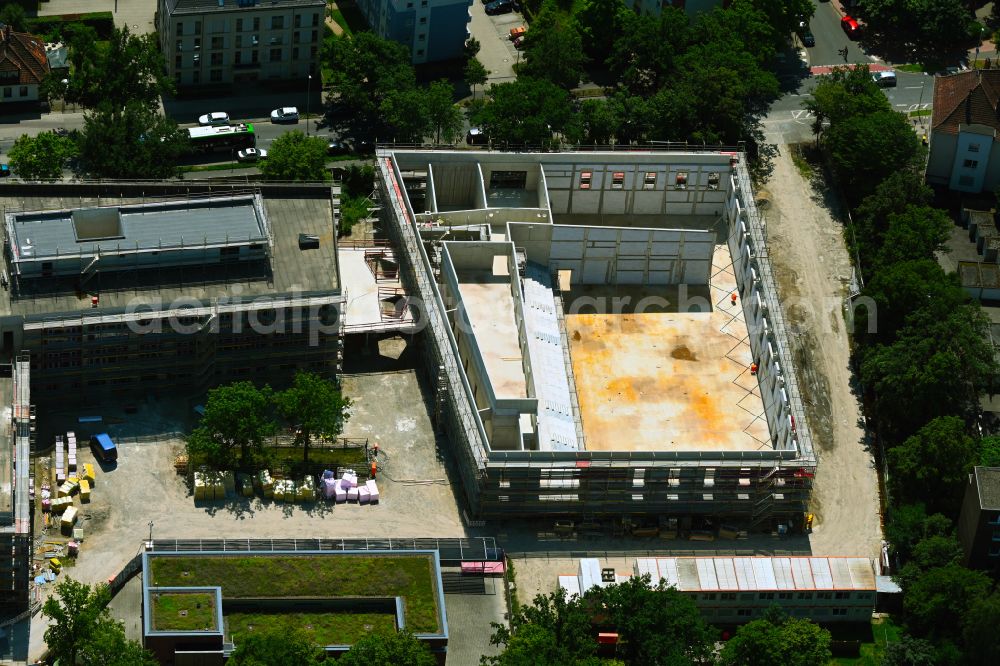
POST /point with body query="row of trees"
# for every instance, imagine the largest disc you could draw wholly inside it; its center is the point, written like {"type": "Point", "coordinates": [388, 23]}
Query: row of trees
{"type": "Point", "coordinates": [655, 625]}
{"type": "Point", "coordinates": [240, 419]}
{"type": "Point", "coordinates": [924, 358]}
{"type": "Point", "coordinates": [927, 30]}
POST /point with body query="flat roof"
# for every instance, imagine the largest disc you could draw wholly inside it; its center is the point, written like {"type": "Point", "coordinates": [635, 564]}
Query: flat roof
{"type": "Point", "coordinates": [290, 269]}
{"type": "Point", "coordinates": [764, 574]}
{"type": "Point", "coordinates": [123, 229]}
{"type": "Point", "coordinates": [664, 380]}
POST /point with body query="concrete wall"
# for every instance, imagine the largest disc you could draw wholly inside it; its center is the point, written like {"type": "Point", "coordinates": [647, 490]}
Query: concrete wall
{"type": "Point", "coordinates": [941, 158]}
{"type": "Point", "coordinates": [610, 255]}
{"type": "Point", "coordinates": [457, 187]}
{"type": "Point", "coordinates": [972, 157]}
{"type": "Point", "coordinates": [19, 93]}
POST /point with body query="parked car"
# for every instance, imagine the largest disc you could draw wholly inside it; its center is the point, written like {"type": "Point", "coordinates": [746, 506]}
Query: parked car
{"type": "Point", "coordinates": [286, 114]}
{"type": "Point", "coordinates": [884, 79]}
{"type": "Point", "coordinates": [214, 118]}
{"type": "Point", "coordinates": [337, 147]}
{"type": "Point", "coordinates": [517, 32]}
{"type": "Point", "coordinates": [103, 447]}
{"type": "Point", "coordinates": [808, 39]}
{"type": "Point", "coordinates": [4, 170]}
{"type": "Point", "coordinates": [251, 154]}
{"type": "Point", "coordinates": [851, 27]}
{"type": "Point", "coordinates": [499, 7]}
{"type": "Point", "coordinates": [476, 137]}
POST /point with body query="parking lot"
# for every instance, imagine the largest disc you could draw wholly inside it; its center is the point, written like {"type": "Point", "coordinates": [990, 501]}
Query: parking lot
{"type": "Point", "coordinates": [496, 52]}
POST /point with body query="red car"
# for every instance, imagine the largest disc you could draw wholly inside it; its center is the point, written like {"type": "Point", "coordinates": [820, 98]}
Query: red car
{"type": "Point", "coordinates": [851, 27]}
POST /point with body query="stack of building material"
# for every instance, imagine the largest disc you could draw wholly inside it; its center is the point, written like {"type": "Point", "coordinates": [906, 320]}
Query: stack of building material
{"type": "Point", "coordinates": [60, 460]}
{"type": "Point", "coordinates": [340, 492]}
{"type": "Point", "coordinates": [88, 474]}
{"type": "Point", "coordinates": [78, 534]}
{"type": "Point", "coordinates": [84, 490]}
{"type": "Point", "coordinates": [363, 495]}
{"type": "Point", "coordinates": [60, 504]}
{"type": "Point", "coordinates": [209, 486]}
{"type": "Point", "coordinates": [372, 491]}
{"type": "Point", "coordinates": [246, 487]}
{"type": "Point", "coordinates": [200, 487]}
{"type": "Point", "coordinates": [68, 487]}
{"type": "Point", "coordinates": [571, 585]}
{"type": "Point", "coordinates": [71, 443]}
{"type": "Point", "coordinates": [265, 483]}
{"type": "Point", "coordinates": [329, 485]}
{"type": "Point", "coordinates": [306, 492]}
{"type": "Point", "coordinates": [590, 574]}
{"type": "Point", "coordinates": [228, 484]}
{"type": "Point", "coordinates": [73, 548]}
{"type": "Point", "coordinates": [348, 479]}
{"type": "Point", "coordinates": [352, 494]}
{"type": "Point", "coordinates": [46, 504]}
{"type": "Point", "coordinates": [69, 517]}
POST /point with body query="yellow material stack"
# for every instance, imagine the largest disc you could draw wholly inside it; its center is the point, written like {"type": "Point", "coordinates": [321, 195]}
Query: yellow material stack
{"type": "Point", "coordinates": [84, 490]}
{"type": "Point", "coordinates": [266, 484]}
{"type": "Point", "coordinates": [88, 473]}
{"type": "Point", "coordinates": [69, 517]}
{"type": "Point", "coordinates": [60, 504]}
{"type": "Point", "coordinates": [246, 487]}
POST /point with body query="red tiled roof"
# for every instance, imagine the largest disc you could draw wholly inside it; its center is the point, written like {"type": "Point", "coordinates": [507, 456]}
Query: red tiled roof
{"type": "Point", "coordinates": [965, 98]}
{"type": "Point", "coordinates": [25, 54]}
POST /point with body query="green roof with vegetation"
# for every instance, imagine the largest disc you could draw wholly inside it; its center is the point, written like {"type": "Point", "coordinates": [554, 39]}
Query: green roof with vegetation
{"type": "Point", "coordinates": [342, 628]}
{"type": "Point", "coordinates": [184, 611]}
{"type": "Point", "coordinates": [310, 576]}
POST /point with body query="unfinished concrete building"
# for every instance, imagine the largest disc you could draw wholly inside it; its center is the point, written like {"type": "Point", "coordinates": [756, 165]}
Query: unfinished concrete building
{"type": "Point", "coordinates": [18, 424]}
{"type": "Point", "coordinates": [126, 290]}
{"type": "Point", "coordinates": [603, 334]}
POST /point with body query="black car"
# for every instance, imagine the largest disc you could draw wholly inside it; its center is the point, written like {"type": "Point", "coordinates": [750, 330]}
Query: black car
{"type": "Point", "coordinates": [500, 7]}
{"type": "Point", "coordinates": [337, 147]}
{"type": "Point", "coordinates": [807, 37]}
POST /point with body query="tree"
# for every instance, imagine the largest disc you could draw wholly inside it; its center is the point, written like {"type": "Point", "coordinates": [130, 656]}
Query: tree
{"type": "Point", "coordinates": [933, 464]}
{"type": "Point", "coordinates": [76, 611]}
{"type": "Point", "coordinates": [895, 194]}
{"type": "Point", "coordinates": [989, 451]}
{"type": "Point", "coordinates": [109, 646]}
{"type": "Point", "coordinates": [444, 117]}
{"type": "Point", "coordinates": [237, 416]}
{"type": "Point", "coordinates": [916, 233]}
{"type": "Point", "coordinates": [365, 71]}
{"type": "Point", "coordinates": [910, 651]}
{"type": "Point", "coordinates": [551, 627]}
{"type": "Point", "coordinates": [642, 59]}
{"type": "Point", "coordinates": [295, 156]}
{"type": "Point", "coordinates": [13, 15]}
{"type": "Point", "coordinates": [273, 647]}
{"type": "Point", "coordinates": [924, 28]}
{"type": "Point", "coordinates": [598, 121]}
{"type": "Point", "coordinates": [525, 111]}
{"type": "Point", "coordinates": [553, 49]}
{"type": "Point", "coordinates": [777, 641]}
{"type": "Point", "coordinates": [600, 24]}
{"type": "Point", "coordinates": [939, 364]}
{"type": "Point", "coordinates": [909, 523]}
{"type": "Point", "coordinates": [398, 649]}
{"type": "Point", "coordinates": [130, 69]}
{"type": "Point", "coordinates": [843, 94]}
{"type": "Point", "coordinates": [315, 406]}
{"type": "Point", "coordinates": [865, 149]}
{"type": "Point", "coordinates": [937, 599]}
{"type": "Point", "coordinates": [132, 142]}
{"type": "Point", "coordinates": [979, 627]}
{"type": "Point", "coordinates": [657, 625]}
{"type": "Point", "coordinates": [746, 27]}
{"type": "Point", "coordinates": [475, 74]}
{"type": "Point", "coordinates": [42, 157]}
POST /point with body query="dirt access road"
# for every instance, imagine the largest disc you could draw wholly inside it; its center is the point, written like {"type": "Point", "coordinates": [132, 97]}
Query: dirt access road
{"type": "Point", "coordinates": [813, 269]}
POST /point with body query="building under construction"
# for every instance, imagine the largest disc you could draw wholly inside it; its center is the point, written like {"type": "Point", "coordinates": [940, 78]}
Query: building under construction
{"type": "Point", "coordinates": [603, 334]}
{"type": "Point", "coordinates": [123, 290]}
{"type": "Point", "coordinates": [18, 426]}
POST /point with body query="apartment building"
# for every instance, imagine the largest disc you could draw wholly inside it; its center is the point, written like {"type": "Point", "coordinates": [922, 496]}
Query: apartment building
{"type": "Point", "coordinates": [213, 42]}
{"type": "Point", "coordinates": [979, 522]}
{"type": "Point", "coordinates": [433, 30]}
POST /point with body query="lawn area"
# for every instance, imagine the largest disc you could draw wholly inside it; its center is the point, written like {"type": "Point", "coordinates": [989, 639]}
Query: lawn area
{"type": "Point", "coordinates": [884, 631]}
{"type": "Point", "coordinates": [183, 611]}
{"type": "Point", "coordinates": [407, 576]}
{"type": "Point", "coordinates": [322, 628]}
{"type": "Point", "coordinates": [347, 15]}
{"type": "Point", "coordinates": [910, 67]}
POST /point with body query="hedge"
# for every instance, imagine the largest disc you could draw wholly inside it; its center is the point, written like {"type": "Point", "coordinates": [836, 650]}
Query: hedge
{"type": "Point", "coordinates": [52, 26]}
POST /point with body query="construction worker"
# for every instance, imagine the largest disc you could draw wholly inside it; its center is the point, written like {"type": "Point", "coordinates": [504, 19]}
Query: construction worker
{"type": "Point", "coordinates": [373, 468]}
{"type": "Point", "coordinates": [732, 298]}
{"type": "Point", "coordinates": [753, 368]}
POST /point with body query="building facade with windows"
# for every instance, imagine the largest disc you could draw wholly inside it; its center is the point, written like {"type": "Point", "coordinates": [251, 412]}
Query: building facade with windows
{"type": "Point", "coordinates": [963, 134]}
{"type": "Point", "coordinates": [23, 65]}
{"type": "Point", "coordinates": [433, 30]}
{"type": "Point", "coordinates": [979, 522]}
{"type": "Point", "coordinates": [212, 42]}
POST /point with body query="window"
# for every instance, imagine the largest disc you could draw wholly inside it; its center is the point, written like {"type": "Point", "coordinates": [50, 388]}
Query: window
{"type": "Point", "coordinates": [973, 147]}
{"type": "Point", "coordinates": [971, 164]}
{"type": "Point", "coordinates": [784, 595]}
{"type": "Point", "coordinates": [409, 5]}
{"type": "Point", "coordinates": [239, 41]}
{"type": "Point", "coordinates": [618, 180]}
{"type": "Point", "coordinates": [421, 37]}
{"type": "Point", "coordinates": [420, 52]}
{"type": "Point", "coordinates": [196, 77]}
{"type": "Point", "coordinates": [177, 61]}
{"type": "Point", "coordinates": [315, 20]}
{"type": "Point", "coordinates": [649, 180]}
{"type": "Point", "coordinates": [254, 56]}
{"type": "Point", "coordinates": [728, 596]}
{"type": "Point", "coordinates": [239, 25]}
{"type": "Point", "coordinates": [217, 42]}
{"type": "Point", "coordinates": [680, 181]}
{"type": "Point", "coordinates": [297, 21]}
{"type": "Point", "coordinates": [315, 36]}
{"type": "Point", "coordinates": [295, 53]}
{"type": "Point", "coordinates": [713, 180]}
{"type": "Point", "coordinates": [708, 597]}
{"type": "Point", "coordinates": [994, 550]}
{"type": "Point", "coordinates": [238, 58]}
{"type": "Point", "coordinates": [585, 180]}
{"type": "Point", "coordinates": [197, 27]}
{"type": "Point", "coordinates": [180, 45]}
{"type": "Point", "coordinates": [312, 52]}
{"type": "Point", "coordinates": [805, 595]}
{"type": "Point", "coordinates": [864, 596]}
{"type": "Point", "coordinates": [295, 37]}
{"type": "Point", "coordinates": [275, 55]}
{"type": "Point", "coordinates": [765, 595]}
{"type": "Point", "coordinates": [840, 611]}
{"type": "Point", "coordinates": [7, 92]}
{"type": "Point", "coordinates": [842, 595]}
{"type": "Point", "coordinates": [215, 75]}
{"type": "Point", "coordinates": [743, 612]}
{"type": "Point", "coordinates": [180, 28]}
{"type": "Point", "coordinates": [277, 22]}
{"type": "Point", "coordinates": [197, 43]}
{"type": "Point", "coordinates": [423, 19]}
{"type": "Point", "coordinates": [823, 595]}
{"type": "Point", "coordinates": [256, 23]}
{"type": "Point", "coordinates": [216, 60]}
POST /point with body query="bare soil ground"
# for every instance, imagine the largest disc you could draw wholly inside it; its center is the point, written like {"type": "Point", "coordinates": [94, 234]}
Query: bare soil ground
{"type": "Point", "coordinates": [813, 269]}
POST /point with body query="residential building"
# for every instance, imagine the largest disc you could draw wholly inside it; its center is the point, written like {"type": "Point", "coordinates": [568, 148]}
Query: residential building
{"type": "Point", "coordinates": [963, 132]}
{"type": "Point", "coordinates": [432, 30]}
{"type": "Point", "coordinates": [213, 42]}
{"type": "Point", "coordinates": [558, 398]}
{"type": "Point", "coordinates": [979, 522]}
{"type": "Point", "coordinates": [23, 65]}
{"type": "Point", "coordinates": [156, 289]}
{"type": "Point", "coordinates": [734, 590]}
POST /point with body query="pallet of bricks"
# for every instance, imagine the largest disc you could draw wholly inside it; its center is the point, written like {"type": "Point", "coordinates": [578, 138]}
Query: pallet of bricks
{"type": "Point", "coordinates": [71, 443]}
{"type": "Point", "coordinates": [60, 460]}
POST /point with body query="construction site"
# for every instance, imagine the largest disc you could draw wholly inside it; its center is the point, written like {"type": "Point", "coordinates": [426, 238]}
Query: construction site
{"type": "Point", "coordinates": [604, 337]}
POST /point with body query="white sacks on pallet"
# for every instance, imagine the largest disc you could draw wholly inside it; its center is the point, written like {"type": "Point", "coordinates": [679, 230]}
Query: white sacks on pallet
{"type": "Point", "coordinates": [349, 479]}
{"type": "Point", "coordinates": [329, 488]}
{"type": "Point", "coordinates": [339, 491]}
{"type": "Point", "coordinates": [372, 491]}
{"type": "Point", "coordinates": [363, 494]}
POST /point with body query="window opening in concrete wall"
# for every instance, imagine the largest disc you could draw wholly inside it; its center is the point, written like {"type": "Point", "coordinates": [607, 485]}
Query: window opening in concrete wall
{"type": "Point", "coordinates": [585, 180]}
{"type": "Point", "coordinates": [618, 180]}
{"type": "Point", "coordinates": [680, 182]}
{"type": "Point", "coordinates": [713, 180]}
{"type": "Point", "coordinates": [649, 181]}
{"type": "Point", "coordinates": [508, 179]}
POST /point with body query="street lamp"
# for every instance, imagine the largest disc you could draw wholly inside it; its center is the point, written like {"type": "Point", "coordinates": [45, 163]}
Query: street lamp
{"type": "Point", "coordinates": [308, 101]}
